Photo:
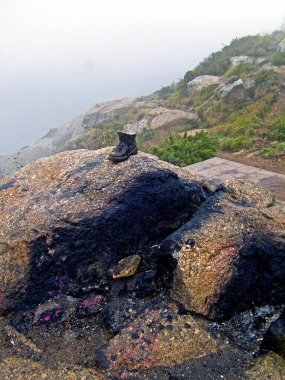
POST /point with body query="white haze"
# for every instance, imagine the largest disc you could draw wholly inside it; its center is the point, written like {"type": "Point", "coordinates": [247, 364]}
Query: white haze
{"type": "Point", "coordinates": [59, 57]}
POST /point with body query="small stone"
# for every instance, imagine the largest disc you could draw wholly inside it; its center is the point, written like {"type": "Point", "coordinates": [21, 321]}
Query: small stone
{"type": "Point", "coordinates": [190, 243]}
{"type": "Point", "coordinates": [127, 266]}
{"type": "Point", "coordinates": [55, 310]}
{"type": "Point", "coordinates": [91, 305]}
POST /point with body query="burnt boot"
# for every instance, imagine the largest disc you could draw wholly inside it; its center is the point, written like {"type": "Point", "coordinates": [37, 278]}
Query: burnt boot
{"type": "Point", "coordinates": [126, 147]}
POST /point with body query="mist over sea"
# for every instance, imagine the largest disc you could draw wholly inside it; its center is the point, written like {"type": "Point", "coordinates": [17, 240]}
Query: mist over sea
{"type": "Point", "coordinates": [27, 114]}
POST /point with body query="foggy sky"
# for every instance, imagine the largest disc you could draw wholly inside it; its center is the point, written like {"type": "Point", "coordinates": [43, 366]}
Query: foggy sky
{"type": "Point", "coordinates": [59, 57]}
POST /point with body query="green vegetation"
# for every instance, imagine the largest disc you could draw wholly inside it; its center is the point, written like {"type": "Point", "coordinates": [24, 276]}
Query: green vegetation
{"type": "Point", "coordinates": [278, 58]}
{"type": "Point", "coordinates": [243, 126]}
{"type": "Point", "coordinates": [250, 123]}
{"type": "Point", "coordinates": [264, 76]}
{"type": "Point", "coordinates": [218, 63]}
{"type": "Point", "coordinates": [273, 150]}
{"type": "Point", "coordinates": [277, 129]}
{"type": "Point", "coordinates": [164, 92]}
{"type": "Point", "coordinates": [268, 153]}
{"type": "Point", "coordinates": [276, 133]}
{"type": "Point", "coordinates": [236, 143]}
{"type": "Point", "coordinates": [241, 71]}
{"type": "Point", "coordinates": [280, 147]}
{"type": "Point", "coordinates": [185, 150]}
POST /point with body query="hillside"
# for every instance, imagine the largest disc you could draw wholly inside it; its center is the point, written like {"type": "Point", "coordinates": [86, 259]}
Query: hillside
{"type": "Point", "coordinates": [239, 94]}
{"type": "Point", "coordinates": [236, 97]}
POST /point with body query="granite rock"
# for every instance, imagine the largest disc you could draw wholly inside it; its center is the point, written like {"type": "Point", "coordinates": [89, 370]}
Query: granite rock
{"type": "Point", "coordinates": [231, 253]}
{"type": "Point", "coordinates": [159, 336]}
{"type": "Point", "coordinates": [68, 219]}
{"type": "Point", "coordinates": [198, 83]}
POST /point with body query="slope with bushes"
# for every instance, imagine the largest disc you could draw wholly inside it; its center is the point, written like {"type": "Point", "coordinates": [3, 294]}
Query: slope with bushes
{"type": "Point", "coordinates": [248, 124]}
{"type": "Point", "coordinates": [241, 111]}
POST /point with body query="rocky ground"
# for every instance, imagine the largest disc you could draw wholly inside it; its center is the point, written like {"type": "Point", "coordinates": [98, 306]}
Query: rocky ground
{"type": "Point", "coordinates": [138, 270]}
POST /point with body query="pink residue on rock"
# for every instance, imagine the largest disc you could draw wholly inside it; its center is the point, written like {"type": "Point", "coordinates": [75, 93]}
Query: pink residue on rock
{"type": "Point", "coordinates": [51, 316]}
{"type": "Point", "coordinates": [88, 302]}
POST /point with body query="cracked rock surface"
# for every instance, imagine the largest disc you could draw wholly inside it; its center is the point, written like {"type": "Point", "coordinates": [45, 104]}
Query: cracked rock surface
{"type": "Point", "coordinates": [201, 281]}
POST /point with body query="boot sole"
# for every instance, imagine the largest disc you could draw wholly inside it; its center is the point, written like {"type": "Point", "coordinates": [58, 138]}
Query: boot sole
{"type": "Point", "coordinates": [119, 159]}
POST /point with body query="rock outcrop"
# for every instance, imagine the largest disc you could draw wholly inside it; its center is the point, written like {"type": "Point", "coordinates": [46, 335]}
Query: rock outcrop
{"type": "Point", "coordinates": [160, 117]}
{"type": "Point", "coordinates": [19, 369]}
{"type": "Point", "coordinates": [107, 111]}
{"type": "Point", "coordinates": [159, 336]}
{"type": "Point", "coordinates": [241, 59]}
{"type": "Point", "coordinates": [230, 255]}
{"type": "Point", "coordinates": [245, 59]}
{"type": "Point", "coordinates": [196, 85]}
{"type": "Point", "coordinates": [268, 366]}
{"type": "Point", "coordinates": [237, 90]}
{"type": "Point", "coordinates": [49, 144]}
{"type": "Point", "coordinates": [67, 219]}
{"type": "Point", "coordinates": [117, 265]}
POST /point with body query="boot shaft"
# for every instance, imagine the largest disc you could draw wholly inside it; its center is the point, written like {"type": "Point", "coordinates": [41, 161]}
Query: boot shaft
{"type": "Point", "coordinates": [127, 138]}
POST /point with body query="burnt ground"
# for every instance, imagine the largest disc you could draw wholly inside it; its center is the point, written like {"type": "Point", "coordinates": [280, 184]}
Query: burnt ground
{"type": "Point", "coordinates": [72, 306]}
{"type": "Point", "coordinates": [75, 341]}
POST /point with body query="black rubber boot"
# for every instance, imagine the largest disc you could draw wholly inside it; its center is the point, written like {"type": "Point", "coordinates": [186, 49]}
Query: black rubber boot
{"type": "Point", "coordinates": [126, 147]}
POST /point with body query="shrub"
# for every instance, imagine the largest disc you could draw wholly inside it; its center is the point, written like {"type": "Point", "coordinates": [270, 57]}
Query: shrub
{"type": "Point", "coordinates": [268, 153]}
{"type": "Point", "coordinates": [165, 91]}
{"type": "Point", "coordinates": [186, 150]}
{"type": "Point", "coordinates": [265, 76]}
{"type": "Point", "coordinates": [241, 70]}
{"type": "Point", "coordinates": [219, 62]}
{"type": "Point", "coordinates": [242, 142]}
{"type": "Point", "coordinates": [236, 143]}
{"type": "Point", "coordinates": [277, 130]}
{"type": "Point", "coordinates": [278, 58]}
{"type": "Point", "coordinates": [280, 147]}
